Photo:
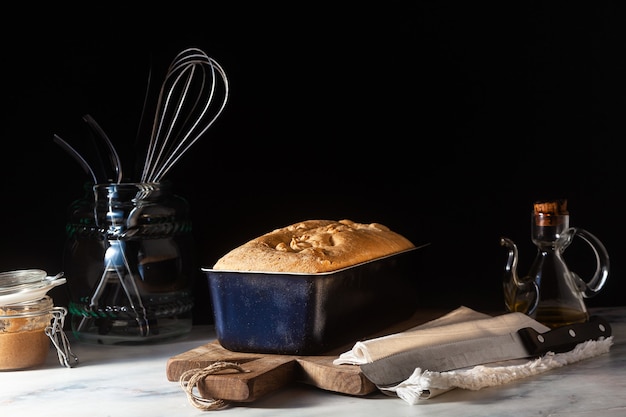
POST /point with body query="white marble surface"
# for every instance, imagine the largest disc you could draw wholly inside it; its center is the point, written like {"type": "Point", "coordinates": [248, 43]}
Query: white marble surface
{"type": "Point", "coordinates": [131, 381]}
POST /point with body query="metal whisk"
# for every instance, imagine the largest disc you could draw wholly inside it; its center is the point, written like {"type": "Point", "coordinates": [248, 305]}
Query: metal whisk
{"type": "Point", "coordinates": [193, 95]}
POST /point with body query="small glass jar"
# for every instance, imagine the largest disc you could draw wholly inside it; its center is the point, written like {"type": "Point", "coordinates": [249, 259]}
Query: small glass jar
{"type": "Point", "coordinates": [23, 339]}
{"type": "Point", "coordinates": [29, 320]}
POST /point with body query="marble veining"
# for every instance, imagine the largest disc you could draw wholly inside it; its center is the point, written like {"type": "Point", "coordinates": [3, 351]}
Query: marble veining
{"type": "Point", "coordinates": [131, 381]}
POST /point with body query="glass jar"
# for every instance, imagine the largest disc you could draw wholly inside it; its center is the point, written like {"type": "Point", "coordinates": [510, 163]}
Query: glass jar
{"type": "Point", "coordinates": [29, 321]}
{"type": "Point", "coordinates": [129, 261]}
{"type": "Point", "coordinates": [24, 342]}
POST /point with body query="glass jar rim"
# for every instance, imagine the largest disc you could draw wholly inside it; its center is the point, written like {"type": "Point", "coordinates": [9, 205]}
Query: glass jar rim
{"type": "Point", "coordinates": [30, 308]}
{"type": "Point", "coordinates": [133, 184]}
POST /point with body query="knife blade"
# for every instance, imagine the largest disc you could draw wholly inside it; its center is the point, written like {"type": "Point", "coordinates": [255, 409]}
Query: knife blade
{"type": "Point", "coordinates": [524, 343]}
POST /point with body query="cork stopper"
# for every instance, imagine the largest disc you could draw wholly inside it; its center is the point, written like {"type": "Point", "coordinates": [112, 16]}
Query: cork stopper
{"type": "Point", "coordinates": [548, 213]}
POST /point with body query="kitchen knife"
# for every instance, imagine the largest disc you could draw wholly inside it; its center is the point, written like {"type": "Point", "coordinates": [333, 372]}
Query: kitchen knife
{"type": "Point", "coordinates": [524, 343]}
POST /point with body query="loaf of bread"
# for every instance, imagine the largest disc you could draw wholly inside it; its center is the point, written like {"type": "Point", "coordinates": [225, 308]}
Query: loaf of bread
{"type": "Point", "coordinates": [314, 246]}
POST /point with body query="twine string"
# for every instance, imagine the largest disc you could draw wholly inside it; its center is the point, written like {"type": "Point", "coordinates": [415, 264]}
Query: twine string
{"type": "Point", "coordinates": [190, 379]}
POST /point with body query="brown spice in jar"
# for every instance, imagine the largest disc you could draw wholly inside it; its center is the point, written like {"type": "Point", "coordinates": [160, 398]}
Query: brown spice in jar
{"type": "Point", "coordinates": [23, 341]}
{"type": "Point", "coordinates": [24, 349]}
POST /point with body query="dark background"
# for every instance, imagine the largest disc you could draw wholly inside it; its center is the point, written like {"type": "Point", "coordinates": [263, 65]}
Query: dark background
{"type": "Point", "coordinates": [443, 121]}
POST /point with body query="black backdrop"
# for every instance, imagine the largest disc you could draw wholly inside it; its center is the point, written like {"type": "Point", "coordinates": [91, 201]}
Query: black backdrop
{"type": "Point", "coordinates": [443, 121]}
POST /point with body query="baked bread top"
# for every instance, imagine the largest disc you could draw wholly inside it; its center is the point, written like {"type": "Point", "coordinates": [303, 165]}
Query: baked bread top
{"type": "Point", "coordinates": [314, 246]}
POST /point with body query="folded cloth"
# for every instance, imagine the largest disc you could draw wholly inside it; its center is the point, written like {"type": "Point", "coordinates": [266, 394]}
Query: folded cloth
{"type": "Point", "coordinates": [458, 325]}
{"type": "Point", "coordinates": [422, 385]}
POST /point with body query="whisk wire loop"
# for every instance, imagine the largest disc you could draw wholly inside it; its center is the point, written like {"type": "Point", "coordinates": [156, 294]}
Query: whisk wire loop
{"type": "Point", "coordinates": [187, 106]}
{"type": "Point", "coordinates": [185, 110]}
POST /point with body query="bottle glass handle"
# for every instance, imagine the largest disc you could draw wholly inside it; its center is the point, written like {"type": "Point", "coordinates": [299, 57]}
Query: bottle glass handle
{"type": "Point", "coordinates": [595, 284]}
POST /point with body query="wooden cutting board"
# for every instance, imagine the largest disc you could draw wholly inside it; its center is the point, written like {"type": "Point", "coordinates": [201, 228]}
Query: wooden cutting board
{"type": "Point", "coordinates": [266, 373]}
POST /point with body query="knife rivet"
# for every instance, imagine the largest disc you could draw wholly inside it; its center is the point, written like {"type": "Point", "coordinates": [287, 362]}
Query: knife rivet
{"type": "Point", "coordinates": [540, 338]}
{"type": "Point", "coordinates": [572, 333]}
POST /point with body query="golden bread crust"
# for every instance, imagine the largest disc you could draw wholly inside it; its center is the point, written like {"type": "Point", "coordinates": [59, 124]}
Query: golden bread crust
{"type": "Point", "coordinates": [314, 246]}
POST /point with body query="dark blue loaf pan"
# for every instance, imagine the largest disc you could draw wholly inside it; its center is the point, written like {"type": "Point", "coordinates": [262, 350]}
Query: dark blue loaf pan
{"type": "Point", "coordinates": [309, 314]}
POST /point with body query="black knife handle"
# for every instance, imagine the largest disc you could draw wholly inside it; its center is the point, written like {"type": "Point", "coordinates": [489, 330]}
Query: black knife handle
{"type": "Point", "coordinates": [563, 339]}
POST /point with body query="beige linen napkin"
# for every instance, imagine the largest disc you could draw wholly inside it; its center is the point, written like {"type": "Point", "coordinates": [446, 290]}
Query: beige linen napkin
{"type": "Point", "coordinates": [424, 384]}
{"type": "Point", "coordinates": [463, 324]}
{"type": "Point", "coordinates": [458, 325]}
